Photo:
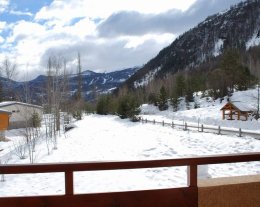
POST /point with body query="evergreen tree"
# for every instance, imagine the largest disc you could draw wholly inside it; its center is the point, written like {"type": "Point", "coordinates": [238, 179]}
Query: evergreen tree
{"type": "Point", "coordinates": [230, 65]}
{"type": "Point", "coordinates": [243, 78]}
{"type": "Point", "coordinates": [153, 99]}
{"type": "Point", "coordinates": [175, 103]}
{"type": "Point", "coordinates": [104, 105]}
{"type": "Point", "coordinates": [189, 95]}
{"type": "Point", "coordinates": [163, 105]}
{"type": "Point", "coordinates": [218, 83]}
{"type": "Point", "coordinates": [128, 107]}
{"type": "Point", "coordinates": [180, 85]}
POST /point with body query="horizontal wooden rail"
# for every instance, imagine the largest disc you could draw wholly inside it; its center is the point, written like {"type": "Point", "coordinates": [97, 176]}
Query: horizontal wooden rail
{"type": "Point", "coordinates": [185, 197]}
{"type": "Point", "coordinates": [119, 165]}
{"type": "Point", "coordinates": [203, 128]}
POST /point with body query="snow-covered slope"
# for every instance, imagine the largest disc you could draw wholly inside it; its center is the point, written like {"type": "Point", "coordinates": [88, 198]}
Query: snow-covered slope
{"type": "Point", "coordinates": [209, 112]}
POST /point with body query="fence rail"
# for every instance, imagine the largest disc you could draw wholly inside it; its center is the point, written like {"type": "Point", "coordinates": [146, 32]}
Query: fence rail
{"type": "Point", "coordinates": [205, 128]}
{"type": "Point", "coordinates": [185, 197]}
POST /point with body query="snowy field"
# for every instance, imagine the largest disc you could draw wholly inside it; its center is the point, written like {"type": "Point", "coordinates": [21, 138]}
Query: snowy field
{"type": "Point", "coordinates": [99, 138]}
{"type": "Point", "coordinates": [209, 112]}
{"type": "Point", "coordinates": [108, 138]}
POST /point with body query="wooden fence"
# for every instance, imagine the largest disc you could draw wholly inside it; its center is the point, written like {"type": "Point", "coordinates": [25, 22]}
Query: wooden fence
{"type": "Point", "coordinates": [175, 197]}
{"type": "Point", "coordinates": [205, 128]}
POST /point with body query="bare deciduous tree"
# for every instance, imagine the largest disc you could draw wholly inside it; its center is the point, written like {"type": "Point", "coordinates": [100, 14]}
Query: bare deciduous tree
{"type": "Point", "coordinates": [8, 70]}
{"type": "Point", "coordinates": [56, 98]}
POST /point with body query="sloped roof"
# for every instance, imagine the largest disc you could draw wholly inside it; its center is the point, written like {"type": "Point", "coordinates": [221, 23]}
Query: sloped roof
{"type": "Point", "coordinates": [9, 103]}
{"type": "Point", "coordinates": [5, 112]}
{"type": "Point", "coordinates": [239, 106]}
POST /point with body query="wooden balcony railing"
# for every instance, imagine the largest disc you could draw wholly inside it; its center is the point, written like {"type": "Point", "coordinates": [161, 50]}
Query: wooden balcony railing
{"type": "Point", "coordinates": [175, 197]}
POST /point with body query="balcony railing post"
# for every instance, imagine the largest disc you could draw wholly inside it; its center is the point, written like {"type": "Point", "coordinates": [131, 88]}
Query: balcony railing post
{"type": "Point", "coordinates": [69, 183]}
{"type": "Point", "coordinates": [192, 172]}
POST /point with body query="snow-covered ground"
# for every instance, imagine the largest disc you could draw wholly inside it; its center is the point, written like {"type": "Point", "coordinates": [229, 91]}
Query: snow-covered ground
{"type": "Point", "coordinates": [209, 112]}
{"type": "Point", "coordinates": [108, 138]}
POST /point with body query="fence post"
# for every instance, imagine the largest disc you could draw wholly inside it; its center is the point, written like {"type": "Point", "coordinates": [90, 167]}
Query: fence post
{"type": "Point", "coordinates": [163, 122]}
{"type": "Point", "coordinates": [192, 173]}
{"type": "Point", "coordinates": [172, 125]}
{"type": "Point", "coordinates": [185, 126]}
{"type": "Point", "coordinates": [202, 128]}
{"type": "Point", "coordinates": [145, 120]}
{"type": "Point", "coordinates": [240, 132]}
{"type": "Point", "coordinates": [154, 121]}
{"type": "Point", "coordinates": [219, 130]}
{"type": "Point", "coordinates": [69, 183]}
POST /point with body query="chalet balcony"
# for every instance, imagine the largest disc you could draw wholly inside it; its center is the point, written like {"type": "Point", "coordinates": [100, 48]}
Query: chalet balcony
{"type": "Point", "coordinates": [220, 192]}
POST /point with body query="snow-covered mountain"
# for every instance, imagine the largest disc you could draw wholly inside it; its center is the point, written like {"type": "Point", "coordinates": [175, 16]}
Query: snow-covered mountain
{"type": "Point", "coordinates": [238, 28]}
{"type": "Point", "coordinates": [91, 81]}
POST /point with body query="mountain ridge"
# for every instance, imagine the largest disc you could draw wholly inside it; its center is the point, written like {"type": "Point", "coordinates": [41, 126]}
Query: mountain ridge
{"type": "Point", "coordinates": [92, 82]}
{"type": "Point", "coordinates": [237, 28]}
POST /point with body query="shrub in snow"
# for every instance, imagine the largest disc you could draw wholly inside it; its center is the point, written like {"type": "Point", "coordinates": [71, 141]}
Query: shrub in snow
{"type": "Point", "coordinates": [36, 120]}
{"type": "Point", "coordinates": [128, 107]}
{"type": "Point", "coordinates": [77, 114]}
{"type": "Point", "coordinates": [20, 148]}
{"type": "Point", "coordinates": [69, 127]}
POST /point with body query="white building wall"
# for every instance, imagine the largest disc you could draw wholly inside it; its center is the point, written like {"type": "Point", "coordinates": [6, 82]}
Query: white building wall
{"type": "Point", "coordinates": [21, 114]}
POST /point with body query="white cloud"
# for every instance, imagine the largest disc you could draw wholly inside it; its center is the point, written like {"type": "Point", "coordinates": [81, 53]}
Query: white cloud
{"type": "Point", "coordinates": [2, 26]}
{"type": "Point", "coordinates": [24, 29]}
{"type": "Point", "coordinates": [1, 39]}
{"type": "Point", "coordinates": [29, 41]}
{"type": "Point", "coordinates": [135, 41]}
{"type": "Point", "coordinates": [103, 9]}
{"type": "Point", "coordinates": [66, 27]}
{"type": "Point", "coordinates": [3, 5]}
{"type": "Point", "coordinates": [20, 13]}
{"type": "Point", "coordinates": [66, 10]}
{"type": "Point", "coordinates": [61, 12]}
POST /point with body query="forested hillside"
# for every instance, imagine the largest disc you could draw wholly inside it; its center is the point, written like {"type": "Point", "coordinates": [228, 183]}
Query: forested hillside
{"type": "Point", "coordinates": [201, 46]}
{"type": "Point", "coordinates": [217, 57]}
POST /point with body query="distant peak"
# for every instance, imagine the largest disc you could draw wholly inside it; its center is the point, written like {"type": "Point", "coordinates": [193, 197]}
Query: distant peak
{"type": "Point", "coordinates": [88, 72]}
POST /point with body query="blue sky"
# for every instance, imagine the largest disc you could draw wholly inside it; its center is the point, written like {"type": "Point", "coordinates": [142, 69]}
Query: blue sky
{"type": "Point", "coordinates": [109, 35]}
{"type": "Point", "coordinates": [23, 9]}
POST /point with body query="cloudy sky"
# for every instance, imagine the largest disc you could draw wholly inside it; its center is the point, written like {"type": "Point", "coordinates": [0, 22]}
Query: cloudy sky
{"type": "Point", "coordinates": [109, 34]}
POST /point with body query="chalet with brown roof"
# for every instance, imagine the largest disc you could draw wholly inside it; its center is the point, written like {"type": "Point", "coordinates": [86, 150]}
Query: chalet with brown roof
{"type": "Point", "coordinates": [237, 110]}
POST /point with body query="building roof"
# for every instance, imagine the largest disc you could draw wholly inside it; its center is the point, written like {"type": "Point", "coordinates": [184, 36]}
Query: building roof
{"type": "Point", "coordinates": [4, 112]}
{"type": "Point", "coordinates": [9, 103]}
{"type": "Point", "coordinates": [239, 106]}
